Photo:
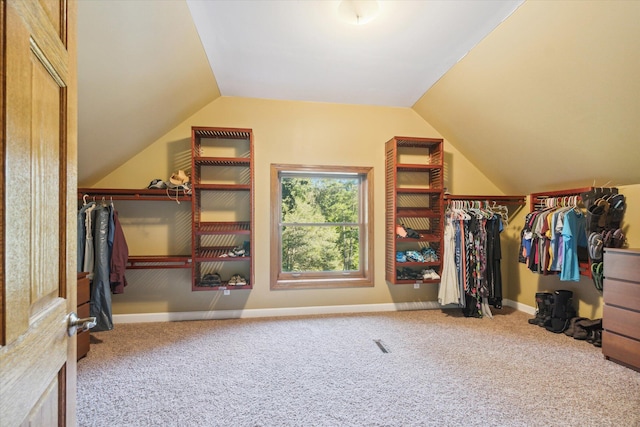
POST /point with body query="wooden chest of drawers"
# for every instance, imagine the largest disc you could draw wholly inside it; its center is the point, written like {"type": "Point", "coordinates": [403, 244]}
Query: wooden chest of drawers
{"type": "Point", "coordinates": [83, 312]}
{"type": "Point", "coordinates": [621, 313]}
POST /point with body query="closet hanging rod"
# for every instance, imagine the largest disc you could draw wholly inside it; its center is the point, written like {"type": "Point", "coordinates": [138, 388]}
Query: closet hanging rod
{"type": "Point", "coordinates": [131, 194]}
{"type": "Point", "coordinates": [561, 193]}
{"type": "Point", "coordinates": [517, 200]}
{"type": "Point", "coordinates": [538, 200]}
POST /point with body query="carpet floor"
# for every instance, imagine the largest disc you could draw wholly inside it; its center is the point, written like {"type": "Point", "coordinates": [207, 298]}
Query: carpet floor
{"type": "Point", "coordinates": [439, 369]}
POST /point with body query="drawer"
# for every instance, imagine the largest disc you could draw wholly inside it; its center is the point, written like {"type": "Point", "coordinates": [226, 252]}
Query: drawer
{"type": "Point", "coordinates": [83, 291]}
{"type": "Point", "coordinates": [621, 349]}
{"type": "Point", "coordinates": [622, 294]}
{"type": "Point", "coordinates": [83, 310]}
{"type": "Point", "coordinates": [83, 340]}
{"type": "Point", "coordinates": [622, 264]}
{"type": "Point", "coordinates": [621, 321]}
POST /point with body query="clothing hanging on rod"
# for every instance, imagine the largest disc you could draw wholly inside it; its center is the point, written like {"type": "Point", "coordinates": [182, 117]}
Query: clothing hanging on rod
{"type": "Point", "coordinates": [471, 265]}
{"type": "Point", "coordinates": [103, 253]}
{"type": "Point", "coordinates": [554, 238]}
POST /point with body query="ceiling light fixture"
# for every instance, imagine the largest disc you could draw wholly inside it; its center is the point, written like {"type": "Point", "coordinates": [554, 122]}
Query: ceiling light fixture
{"type": "Point", "coordinates": [358, 12]}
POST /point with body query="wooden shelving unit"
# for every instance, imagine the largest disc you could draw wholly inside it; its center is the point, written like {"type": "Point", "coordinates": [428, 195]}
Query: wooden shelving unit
{"type": "Point", "coordinates": [222, 207]}
{"type": "Point", "coordinates": [414, 197]}
{"type": "Point", "coordinates": [142, 262]}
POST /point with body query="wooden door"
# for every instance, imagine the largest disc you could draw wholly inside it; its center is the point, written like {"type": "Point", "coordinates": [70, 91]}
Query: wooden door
{"type": "Point", "coordinates": [38, 210]}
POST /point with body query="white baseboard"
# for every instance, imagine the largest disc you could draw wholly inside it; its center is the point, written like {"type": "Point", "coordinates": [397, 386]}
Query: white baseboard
{"type": "Point", "coordinates": [273, 312]}
{"type": "Point", "coordinates": [519, 306]}
{"type": "Point", "coordinates": [293, 311]}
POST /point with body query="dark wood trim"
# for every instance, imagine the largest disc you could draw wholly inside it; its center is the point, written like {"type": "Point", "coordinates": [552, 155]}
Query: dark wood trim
{"type": "Point", "coordinates": [62, 396]}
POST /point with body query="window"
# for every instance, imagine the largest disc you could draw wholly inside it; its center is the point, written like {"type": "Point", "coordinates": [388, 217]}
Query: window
{"type": "Point", "coordinates": [321, 226]}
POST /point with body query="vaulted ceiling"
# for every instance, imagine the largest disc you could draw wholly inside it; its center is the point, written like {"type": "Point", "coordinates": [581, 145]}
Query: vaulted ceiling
{"type": "Point", "coordinates": [547, 98]}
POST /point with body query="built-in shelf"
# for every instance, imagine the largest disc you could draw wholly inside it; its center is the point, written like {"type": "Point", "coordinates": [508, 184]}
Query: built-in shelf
{"type": "Point", "coordinates": [414, 190]}
{"type": "Point", "coordinates": [222, 208]}
{"type": "Point", "coordinates": [133, 194]}
{"type": "Point", "coordinates": [139, 262]}
{"type": "Point", "coordinates": [212, 228]}
{"type": "Point", "coordinates": [223, 187]}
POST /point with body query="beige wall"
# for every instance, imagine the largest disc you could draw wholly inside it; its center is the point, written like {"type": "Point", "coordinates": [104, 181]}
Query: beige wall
{"type": "Point", "coordinates": [306, 133]}
{"type": "Point", "coordinates": [520, 284]}
{"type": "Point", "coordinates": [284, 132]}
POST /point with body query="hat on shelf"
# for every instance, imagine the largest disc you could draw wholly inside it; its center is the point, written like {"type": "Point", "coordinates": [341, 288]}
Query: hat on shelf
{"type": "Point", "coordinates": [178, 179]}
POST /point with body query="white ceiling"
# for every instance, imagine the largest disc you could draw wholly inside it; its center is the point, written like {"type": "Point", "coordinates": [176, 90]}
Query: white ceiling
{"type": "Point", "coordinates": [559, 76]}
{"type": "Point", "coordinates": [302, 50]}
{"type": "Point", "coordinates": [144, 66]}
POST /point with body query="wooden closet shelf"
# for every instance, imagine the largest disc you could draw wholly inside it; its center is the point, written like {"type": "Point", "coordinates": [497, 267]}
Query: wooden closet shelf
{"type": "Point", "coordinates": [202, 228]}
{"type": "Point", "coordinates": [200, 286]}
{"type": "Point", "coordinates": [406, 167]}
{"type": "Point", "coordinates": [223, 187]}
{"type": "Point", "coordinates": [223, 161]}
{"type": "Point", "coordinates": [561, 193]}
{"type": "Point", "coordinates": [218, 253]}
{"type": "Point", "coordinates": [426, 236]}
{"type": "Point", "coordinates": [412, 281]}
{"type": "Point", "coordinates": [138, 262]}
{"type": "Point", "coordinates": [134, 194]}
{"type": "Point", "coordinates": [418, 212]}
{"type": "Point", "coordinates": [222, 133]}
{"type": "Point", "coordinates": [537, 199]}
{"type": "Point", "coordinates": [409, 190]}
{"type": "Point", "coordinates": [520, 200]}
{"type": "Point", "coordinates": [417, 142]}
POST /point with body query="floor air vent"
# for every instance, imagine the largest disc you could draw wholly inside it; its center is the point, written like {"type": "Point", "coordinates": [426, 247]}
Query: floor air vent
{"type": "Point", "coordinates": [381, 346]}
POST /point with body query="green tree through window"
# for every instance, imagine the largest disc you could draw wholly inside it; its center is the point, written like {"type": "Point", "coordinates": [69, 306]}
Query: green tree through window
{"type": "Point", "coordinates": [322, 225]}
{"type": "Point", "coordinates": [320, 220]}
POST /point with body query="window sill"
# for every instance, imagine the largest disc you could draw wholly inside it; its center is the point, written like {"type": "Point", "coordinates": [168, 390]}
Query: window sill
{"type": "Point", "coordinates": [283, 284]}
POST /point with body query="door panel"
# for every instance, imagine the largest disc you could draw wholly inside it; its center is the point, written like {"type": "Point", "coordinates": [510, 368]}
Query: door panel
{"type": "Point", "coordinates": [45, 137]}
{"type": "Point", "coordinates": [46, 408]}
{"type": "Point", "coordinates": [37, 358]}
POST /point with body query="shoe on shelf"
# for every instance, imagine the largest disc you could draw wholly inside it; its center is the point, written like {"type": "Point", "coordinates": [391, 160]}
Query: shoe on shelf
{"type": "Point", "coordinates": [430, 274]}
{"type": "Point", "coordinates": [429, 254]}
{"type": "Point", "coordinates": [157, 184]}
{"type": "Point", "coordinates": [236, 252]}
{"type": "Point", "coordinates": [414, 256]}
{"type": "Point", "coordinates": [211, 279]}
